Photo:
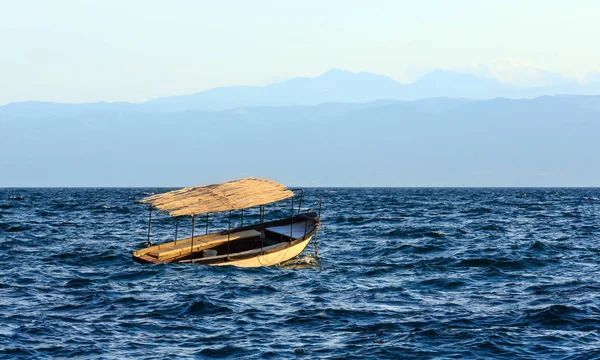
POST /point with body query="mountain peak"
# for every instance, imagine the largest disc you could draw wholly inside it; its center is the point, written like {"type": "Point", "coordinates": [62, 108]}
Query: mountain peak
{"type": "Point", "coordinates": [336, 73]}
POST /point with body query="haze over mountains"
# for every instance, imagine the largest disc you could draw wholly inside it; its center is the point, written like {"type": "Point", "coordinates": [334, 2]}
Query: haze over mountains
{"type": "Point", "coordinates": [338, 129]}
{"type": "Point", "coordinates": [333, 86]}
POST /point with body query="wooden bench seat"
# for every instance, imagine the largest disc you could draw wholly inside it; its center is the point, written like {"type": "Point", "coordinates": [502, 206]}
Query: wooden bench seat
{"type": "Point", "coordinates": [184, 248]}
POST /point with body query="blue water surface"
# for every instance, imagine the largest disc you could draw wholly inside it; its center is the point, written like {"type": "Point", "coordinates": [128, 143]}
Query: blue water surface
{"type": "Point", "coordinates": [404, 273]}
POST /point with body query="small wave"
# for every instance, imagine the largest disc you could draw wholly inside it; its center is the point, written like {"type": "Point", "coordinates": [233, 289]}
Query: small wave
{"type": "Point", "coordinates": [20, 352]}
{"type": "Point", "coordinates": [352, 219]}
{"type": "Point", "coordinates": [380, 270]}
{"type": "Point", "coordinates": [529, 204]}
{"type": "Point", "coordinates": [304, 262]}
{"type": "Point", "coordinates": [128, 300]}
{"type": "Point", "coordinates": [204, 306]}
{"type": "Point", "coordinates": [421, 249]}
{"type": "Point", "coordinates": [572, 214]}
{"type": "Point", "coordinates": [432, 333]}
{"type": "Point", "coordinates": [435, 234]}
{"type": "Point", "coordinates": [414, 233]}
{"type": "Point", "coordinates": [570, 288]}
{"type": "Point", "coordinates": [539, 245]}
{"type": "Point", "coordinates": [556, 315]}
{"type": "Point", "coordinates": [443, 283]}
{"type": "Point", "coordinates": [63, 206]}
{"type": "Point", "coordinates": [492, 227]}
{"type": "Point", "coordinates": [385, 220]}
{"type": "Point", "coordinates": [66, 255]}
{"type": "Point", "coordinates": [78, 283]}
{"type": "Point", "coordinates": [478, 211]}
{"type": "Point", "coordinates": [250, 290]}
{"type": "Point", "coordinates": [17, 228]}
{"type": "Point", "coordinates": [433, 264]}
{"type": "Point", "coordinates": [111, 209]}
{"type": "Point", "coordinates": [223, 351]}
{"type": "Point", "coordinates": [493, 263]}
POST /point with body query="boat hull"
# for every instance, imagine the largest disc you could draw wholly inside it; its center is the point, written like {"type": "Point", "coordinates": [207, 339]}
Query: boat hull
{"type": "Point", "coordinates": [270, 259]}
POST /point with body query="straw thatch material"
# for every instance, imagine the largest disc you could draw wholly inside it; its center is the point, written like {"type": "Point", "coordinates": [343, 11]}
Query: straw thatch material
{"type": "Point", "coordinates": [231, 195]}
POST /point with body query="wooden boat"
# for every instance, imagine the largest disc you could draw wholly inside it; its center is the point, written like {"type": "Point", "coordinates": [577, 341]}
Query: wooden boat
{"type": "Point", "coordinates": [261, 244]}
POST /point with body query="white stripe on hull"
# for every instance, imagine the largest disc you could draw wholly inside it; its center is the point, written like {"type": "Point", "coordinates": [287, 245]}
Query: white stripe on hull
{"type": "Point", "coordinates": [270, 259]}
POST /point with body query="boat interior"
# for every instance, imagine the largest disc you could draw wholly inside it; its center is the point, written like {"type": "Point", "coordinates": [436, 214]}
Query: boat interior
{"type": "Point", "coordinates": [248, 240]}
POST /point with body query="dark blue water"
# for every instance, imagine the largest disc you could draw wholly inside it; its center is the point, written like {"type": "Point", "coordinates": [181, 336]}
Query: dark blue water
{"type": "Point", "coordinates": [404, 273]}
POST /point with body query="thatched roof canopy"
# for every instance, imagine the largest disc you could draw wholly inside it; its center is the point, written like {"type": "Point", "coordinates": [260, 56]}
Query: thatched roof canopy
{"type": "Point", "coordinates": [231, 195]}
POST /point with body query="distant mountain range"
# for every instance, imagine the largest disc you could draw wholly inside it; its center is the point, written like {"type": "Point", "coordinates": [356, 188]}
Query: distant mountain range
{"type": "Point", "coordinates": [333, 86]}
{"type": "Point", "coordinates": [546, 141]}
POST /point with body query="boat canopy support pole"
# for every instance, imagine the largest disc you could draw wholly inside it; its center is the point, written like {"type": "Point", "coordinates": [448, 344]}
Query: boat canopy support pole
{"type": "Point", "coordinates": [192, 245]}
{"type": "Point", "coordinates": [317, 228]}
{"type": "Point", "coordinates": [228, 233]}
{"type": "Point", "coordinates": [206, 223]}
{"type": "Point", "coordinates": [262, 233]}
{"type": "Point", "coordinates": [300, 203]}
{"type": "Point", "coordinates": [316, 246]}
{"type": "Point", "coordinates": [176, 227]}
{"type": "Point", "coordinates": [148, 242]}
{"type": "Point", "coordinates": [292, 222]}
{"type": "Point", "coordinates": [262, 214]}
{"type": "Point", "coordinates": [320, 205]}
{"type": "Point", "coordinates": [305, 228]}
{"type": "Point", "coordinates": [301, 197]}
{"type": "Point", "coordinates": [242, 218]}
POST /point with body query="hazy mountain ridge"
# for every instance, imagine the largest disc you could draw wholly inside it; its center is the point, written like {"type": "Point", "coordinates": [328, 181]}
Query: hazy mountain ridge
{"type": "Point", "coordinates": [546, 141]}
{"type": "Point", "coordinates": [333, 86]}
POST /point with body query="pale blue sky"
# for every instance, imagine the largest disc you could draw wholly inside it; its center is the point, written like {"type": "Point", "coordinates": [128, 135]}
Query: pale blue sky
{"type": "Point", "coordinates": [79, 51]}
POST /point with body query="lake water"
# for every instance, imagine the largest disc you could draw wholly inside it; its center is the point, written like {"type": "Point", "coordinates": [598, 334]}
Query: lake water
{"type": "Point", "coordinates": [402, 273]}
